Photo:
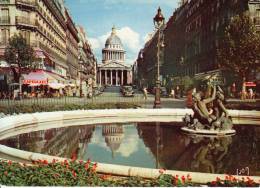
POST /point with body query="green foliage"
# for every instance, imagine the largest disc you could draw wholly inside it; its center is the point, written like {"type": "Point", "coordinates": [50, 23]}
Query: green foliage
{"type": "Point", "coordinates": [75, 173]}
{"type": "Point", "coordinates": [239, 49]}
{"type": "Point", "coordinates": [80, 173]}
{"type": "Point", "coordinates": [19, 54]}
{"type": "Point", "coordinates": [31, 108]}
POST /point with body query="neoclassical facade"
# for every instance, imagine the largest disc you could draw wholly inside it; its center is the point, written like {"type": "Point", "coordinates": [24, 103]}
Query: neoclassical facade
{"type": "Point", "coordinates": [113, 70]}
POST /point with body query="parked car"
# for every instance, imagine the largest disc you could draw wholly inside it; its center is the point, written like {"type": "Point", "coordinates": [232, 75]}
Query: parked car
{"type": "Point", "coordinates": [163, 91]}
{"type": "Point", "coordinates": [127, 91]}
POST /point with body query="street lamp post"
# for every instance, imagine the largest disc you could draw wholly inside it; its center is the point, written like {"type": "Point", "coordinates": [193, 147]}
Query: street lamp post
{"type": "Point", "coordinates": [159, 21]}
{"type": "Point", "coordinates": [80, 76]}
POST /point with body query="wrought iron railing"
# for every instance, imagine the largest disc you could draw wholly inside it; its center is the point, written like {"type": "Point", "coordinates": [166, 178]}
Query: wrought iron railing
{"type": "Point", "coordinates": [4, 20]}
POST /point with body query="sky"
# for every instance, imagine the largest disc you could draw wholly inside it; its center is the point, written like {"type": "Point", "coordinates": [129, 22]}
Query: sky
{"type": "Point", "coordinates": [133, 20]}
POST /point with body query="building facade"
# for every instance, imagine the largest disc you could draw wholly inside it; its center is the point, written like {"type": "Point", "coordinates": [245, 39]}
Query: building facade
{"type": "Point", "coordinates": [113, 70]}
{"type": "Point", "coordinates": [49, 29]}
{"type": "Point", "coordinates": [87, 63]}
{"type": "Point", "coordinates": [191, 38]}
{"type": "Point", "coordinates": [72, 41]}
{"type": "Point", "coordinates": [42, 24]}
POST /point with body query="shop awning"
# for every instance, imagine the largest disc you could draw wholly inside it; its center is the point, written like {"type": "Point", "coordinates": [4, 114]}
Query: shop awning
{"type": "Point", "coordinates": [56, 85]}
{"type": "Point", "coordinates": [56, 78]}
{"type": "Point", "coordinates": [250, 84]}
{"type": "Point", "coordinates": [38, 77]}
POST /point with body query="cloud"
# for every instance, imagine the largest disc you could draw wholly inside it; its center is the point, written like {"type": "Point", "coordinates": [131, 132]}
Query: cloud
{"type": "Point", "coordinates": [131, 42]}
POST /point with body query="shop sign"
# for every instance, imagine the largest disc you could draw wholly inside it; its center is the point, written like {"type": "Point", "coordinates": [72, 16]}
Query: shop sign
{"type": "Point", "coordinates": [250, 84]}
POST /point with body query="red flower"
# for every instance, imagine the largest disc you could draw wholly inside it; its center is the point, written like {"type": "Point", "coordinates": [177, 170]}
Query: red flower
{"type": "Point", "coordinates": [9, 162]}
{"type": "Point", "coordinates": [45, 162]}
{"type": "Point", "coordinates": [74, 173]}
{"type": "Point", "coordinates": [86, 166]}
{"type": "Point", "coordinates": [66, 162]}
{"type": "Point", "coordinates": [88, 161]}
{"type": "Point", "coordinates": [183, 179]}
{"type": "Point", "coordinates": [177, 176]}
{"type": "Point", "coordinates": [213, 183]}
{"type": "Point", "coordinates": [6, 173]}
{"type": "Point", "coordinates": [53, 161]}
{"type": "Point", "coordinates": [80, 161]}
{"type": "Point", "coordinates": [105, 176]}
{"type": "Point", "coordinates": [218, 179]}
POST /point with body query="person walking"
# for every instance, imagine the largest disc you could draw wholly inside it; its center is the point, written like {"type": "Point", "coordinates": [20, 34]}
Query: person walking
{"type": "Point", "coordinates": [172, 93]}
{"type": "Point", "coordinates": [145, 93]}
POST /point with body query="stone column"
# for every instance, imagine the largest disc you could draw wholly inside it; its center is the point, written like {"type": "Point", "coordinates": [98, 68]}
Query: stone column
{"type": "Point", "coordinates": [116, 77]}
{"type": "Point", "coordinates": [111, 77]}
{"type": "Point", "coordinates": [122, 77]}
{"type": "Point", "coordinates": [105, 77]}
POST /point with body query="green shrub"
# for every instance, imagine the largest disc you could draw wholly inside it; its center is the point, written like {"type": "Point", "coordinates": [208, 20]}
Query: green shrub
{"type": "Point", "coordinates": [25, 108]}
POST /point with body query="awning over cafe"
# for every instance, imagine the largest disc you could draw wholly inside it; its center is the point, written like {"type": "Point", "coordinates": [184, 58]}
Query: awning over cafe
{"type": "Point", "coordinates": [38, 77]}
{"type": "Point", "coordinates": [42, 78]}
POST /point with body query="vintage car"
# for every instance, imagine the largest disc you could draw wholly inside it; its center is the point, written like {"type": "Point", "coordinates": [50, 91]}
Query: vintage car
{"type": "Point", "coordinates": [127, 91]}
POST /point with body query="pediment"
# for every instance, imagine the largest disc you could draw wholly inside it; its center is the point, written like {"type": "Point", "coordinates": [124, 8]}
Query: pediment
{"type": "Point", "coordinates": [113, 65]}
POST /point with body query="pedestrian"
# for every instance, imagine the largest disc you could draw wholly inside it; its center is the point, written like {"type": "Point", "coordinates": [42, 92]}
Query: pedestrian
{"type": "Point", "coordinates": [145, 93]}
{"type": "Point", "coordinates": [250, 93]}
{"type": "Point", "coordinates": [172, 93]}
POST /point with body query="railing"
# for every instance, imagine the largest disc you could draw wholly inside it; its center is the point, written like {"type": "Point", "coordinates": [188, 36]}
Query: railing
{"type": "Point", "coordinates": [4, 20]}
{"type": "Point", "coordinates": [11, 106]}
{"type": "Point", "coordinates": [22, 20]}
{"type": "Point", "coordinates": [30, 3]}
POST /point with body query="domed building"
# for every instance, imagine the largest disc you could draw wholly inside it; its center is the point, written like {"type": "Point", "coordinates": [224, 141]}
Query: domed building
{"type": "Point", "coordinates": [114, 135]}
{"type": "Point", "coordinates": [113, 70]}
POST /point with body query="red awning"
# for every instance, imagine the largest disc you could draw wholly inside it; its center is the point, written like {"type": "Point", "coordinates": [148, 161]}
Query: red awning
{"type": "Point", "coordinates": [250, 84]}
{"type": "Point", "coordinates": [38, 77]}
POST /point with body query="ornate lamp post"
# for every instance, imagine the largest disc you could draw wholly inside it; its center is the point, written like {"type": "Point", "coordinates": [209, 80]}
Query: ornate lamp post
{"type": "Point", "coordinates": [159, 22]}
{"type": "Point", "coordinates": [80, 75]}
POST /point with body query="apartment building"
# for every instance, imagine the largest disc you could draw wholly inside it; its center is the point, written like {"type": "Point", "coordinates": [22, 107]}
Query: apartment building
{"type": "Point", "coordinates": [42, 23]}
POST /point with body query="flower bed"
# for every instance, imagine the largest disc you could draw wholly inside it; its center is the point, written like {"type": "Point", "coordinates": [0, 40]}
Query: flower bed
{"type": "Point", "coordinates": [79, 173]}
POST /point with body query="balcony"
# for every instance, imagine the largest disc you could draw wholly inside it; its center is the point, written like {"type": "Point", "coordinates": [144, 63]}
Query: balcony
{"type": "Point", "coordinates": [257, 21]}
{"type": "Point", "coordinates": [4, 20]}
{"type": "Point", "coordinates": [25, 22]}
{"type": "Point", "coordinates": [31, 4]}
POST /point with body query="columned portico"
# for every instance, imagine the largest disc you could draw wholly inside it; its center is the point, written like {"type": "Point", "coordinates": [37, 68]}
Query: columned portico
{"type": "Point", "coordinates": [114, 77]}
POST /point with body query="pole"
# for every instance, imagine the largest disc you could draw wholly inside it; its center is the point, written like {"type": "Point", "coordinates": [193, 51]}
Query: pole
{"type": "Point", "coordinates": [157, 100]}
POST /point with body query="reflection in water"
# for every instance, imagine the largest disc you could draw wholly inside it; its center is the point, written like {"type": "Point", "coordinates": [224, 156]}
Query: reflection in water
{"type": "Point", "coordinates": [63, 142]}
{"type": "Point", "coordinates": [176, 151]}
{"type": "Point", "coordinates": [114, 135]}
{"type": "Point", "coordinates": [160, 145]}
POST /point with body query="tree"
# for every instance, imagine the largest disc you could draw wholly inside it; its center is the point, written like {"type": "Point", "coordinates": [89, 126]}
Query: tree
{"type": "Point", "coordinates": [239, 49]}
{"type": "Point", "coordinates": [19, 55]}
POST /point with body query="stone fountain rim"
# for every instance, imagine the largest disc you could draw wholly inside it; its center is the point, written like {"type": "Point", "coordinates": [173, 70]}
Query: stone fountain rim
{"type": "Point", "coordinates": [13, 122]}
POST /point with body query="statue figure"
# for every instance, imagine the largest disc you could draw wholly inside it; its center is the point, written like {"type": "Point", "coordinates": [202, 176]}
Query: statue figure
{"type": "Point", "coordinates": [201, 158]}
{"type": "Point", "coordinates": [216, 118]}
{"type": "Point", "coordinates": [200, 109]}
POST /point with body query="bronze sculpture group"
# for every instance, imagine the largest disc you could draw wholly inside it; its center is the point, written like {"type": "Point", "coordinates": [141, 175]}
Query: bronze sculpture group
{"type": "Point", "coordinates": [204, 118]}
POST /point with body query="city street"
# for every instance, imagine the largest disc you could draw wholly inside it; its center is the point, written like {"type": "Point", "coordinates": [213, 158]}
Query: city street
{"type": "Point", "coordinates": [110, 95]}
